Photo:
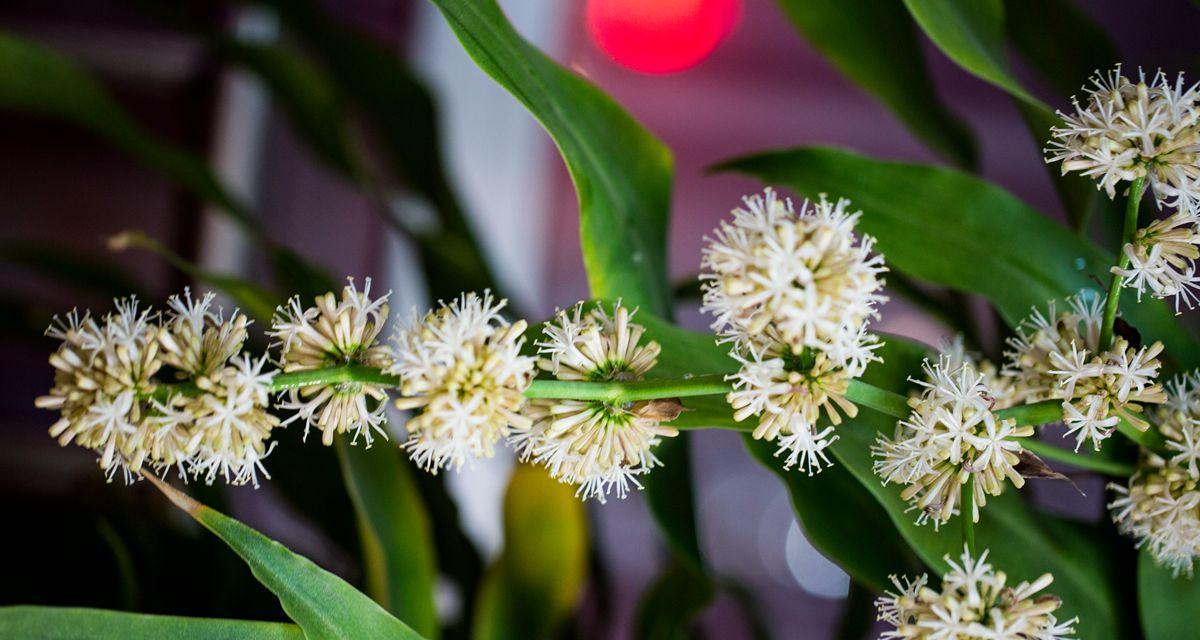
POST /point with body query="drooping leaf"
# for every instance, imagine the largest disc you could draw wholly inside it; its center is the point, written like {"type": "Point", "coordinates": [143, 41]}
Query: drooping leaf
{"type": "Point", "coordinates": [397, 537]}
{"type": "Point", "coordinates": [622, 174]}
{"type": "Point", "coordinates": [1166, 603]}
{"type": "Point", "coordinates": [322, 604]}
{"type": "Point", "coordinates": [953, 229]}
{"type": "Point", "coordinates": [873, 43]}
{"type": "Point", "coordinates": [63, 623]}
{"type": "Point", "coordinates": [972, 35]}
{"type": "Point", "coordinates": [1061, 41]}
{"type": "Point", "coordinates": [35, 80]}
{"type": "Point", "coordinates": [78, 270]}
{"type": "Point", "coordinates": [539, 577]}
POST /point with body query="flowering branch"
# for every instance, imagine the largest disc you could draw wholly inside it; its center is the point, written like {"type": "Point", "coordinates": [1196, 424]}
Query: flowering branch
{"type": "Point", "coordinates": [1114, 288]}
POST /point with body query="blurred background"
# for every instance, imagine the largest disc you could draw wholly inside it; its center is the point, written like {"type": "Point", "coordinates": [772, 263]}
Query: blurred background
{"type": "Point", "coordinates": [737, 79]}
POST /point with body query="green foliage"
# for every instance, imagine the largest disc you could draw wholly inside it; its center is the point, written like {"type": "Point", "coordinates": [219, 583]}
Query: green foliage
{"type": "Point", "coordinates": [874, 44]}
{"type": "Point", "coordinates": [322, 604]}
{"type": "Point", "coordinates": [1059, 40]}
{"type": "Point", "coordinates": [950, 228]}
{"type": "Point", "coordinates": [61, 623]}
{"type": "Point", "coordinates": [1167, 604]}
{"type": "Point", "coordinates": [538, 579]}
{"type": "Point", "coordinates": [622, 174]}
{"type": "Point", "coordinates": [398, 548]}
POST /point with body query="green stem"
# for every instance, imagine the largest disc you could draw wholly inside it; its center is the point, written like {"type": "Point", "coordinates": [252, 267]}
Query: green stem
{"type": "Point", "coordinates": [967, 515]}
{"type": "Point", "coordinates": [1114, 288]}
{"type": "Point", "coordinates": [858, 392]}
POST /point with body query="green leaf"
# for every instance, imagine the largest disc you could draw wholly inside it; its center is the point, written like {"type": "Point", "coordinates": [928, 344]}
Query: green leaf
{"type": "Point", "coordinates": [873, 43]}
{"type": "Point", "coordinates": [971, 33]}
{"type": "Point", "coordinates": [539, 577]}
{"type": "Point", "coordinates": [324, 605]}
{"type": "Point", "coordinates": [953, 229]}
{"type": "Point", "coordinates": [397, 536]}
{"type": "Point", "coordinates": [668, 608]}
{"type": "Point", "coordinates": [1061, 41]}
{"type": "Point", "coordinates": [622, 174]}
{"type": "Point", "coordinates": [35, 80]}
{"type": "Point", "coordinates": [1167, 604]}
{"type": "Point", "coordinates": [64, 623]}
{"type": "Point", "coordinates": [76, 269]}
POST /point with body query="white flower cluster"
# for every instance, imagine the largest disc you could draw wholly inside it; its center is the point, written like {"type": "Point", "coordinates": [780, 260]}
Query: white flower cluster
{"type": "Point", "coordinates": [1160, 505]}
{"type": "Point", "coordinates": [974, 603]}
{"type": "Point", "coordinates": [952, 436]}
{"type": "Point", "coordinates": [335, 333]}
{"type": "Point", "coordinates": [598, 445]}
{"type": "Point", "coordinates": [1056, 356]}
{"type": "Point", "coordinates": [1150, 129]}
{"type": "Point", "coordinates": [794, 293]}
{"type": "Point", "coordinates": [461, 364]}
{"type": "Point", "coordinates": [105, 390]}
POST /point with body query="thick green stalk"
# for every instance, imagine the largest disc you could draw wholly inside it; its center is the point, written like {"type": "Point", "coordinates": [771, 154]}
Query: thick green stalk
{"type": "Point", "coordinates": [1114, 287]}
{"type": "Point", "coordinates": [858, 392]}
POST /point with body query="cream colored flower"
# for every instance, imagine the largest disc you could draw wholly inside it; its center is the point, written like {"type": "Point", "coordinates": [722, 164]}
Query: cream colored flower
{"type": "Point", "coordinates": [1162, 258]}
{"type": "Point", "coordinates": [335, 333]}
{"type": "Point", "coordinates": [597, 445]}
{"type": "Point", "coordinates": [196, 338]}
{"type": "Point", "coordinates": [974, 603]}
{"type": "Point", "coordinates": [461, 364]}
{"type": "Point", "coordinates": [1123, 130]}
{"type": "Point", "coordinates": [104, 373]}
{"type": "Point", "coordinates": [789, 393]}
{"type": "Point", "coordinates": [1057, 357]}
{"type": "Point", "coordinates": [805, 275]}
{"type": "Point", "coordinates": [1160, 505]}
{"type": "Point", "coordinates": [950, 437]}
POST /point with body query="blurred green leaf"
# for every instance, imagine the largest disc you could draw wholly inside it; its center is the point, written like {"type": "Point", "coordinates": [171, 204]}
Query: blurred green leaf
{"type": "Point", "coordinates": [953, 229]}
{"type": "Point", "coordinates": [622, 174]}
{"type": "Point", "coordinates": [34, 79]}
{"type": "Point", "coordinates": [971, 33]}
{"type": "Point", "coordinates": [873, 43]}
{"type": "Point", "coordinates": [1167, 604]}
{"type": "Point", "coordinates": [539, 577]}
{"type": "Point", "coordinates": [79, 270]}
{"type": "Point", "coordinates": [668, 608]}
{"type": "Point", "coordinates": [322, 604]}
{"type": "Point", "coordinates": [1059, 40]}
{"type": "Point", "coordinates": [62, 623]}
{"type": "Point", "coordinates": [256, 301]}
{"type": "Point", "coordinates": [398, 544]}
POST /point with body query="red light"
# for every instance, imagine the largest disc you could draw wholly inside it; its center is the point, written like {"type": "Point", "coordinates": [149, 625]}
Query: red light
{"type": "Point", "coordinates": [660, 36]}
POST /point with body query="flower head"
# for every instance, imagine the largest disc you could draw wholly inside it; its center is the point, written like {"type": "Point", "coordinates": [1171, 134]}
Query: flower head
{"type": "Point", "coordinates": [335, 332]}
{"type": "Point", "coordinates": [103, 377]}
{"type": "Point", "coordinates": [1160, 505]}
{"type": "Point", "coordinates": [950, 437]}
{"type": "Point", "coordinates": [598, 445]}
{"type": "Point", "coordinates": [461, 364]}
{"type": "Point", "coordinates": [803, 274]}
{"type": "Point", "coordinates": [789, 392]}
{"type": "Point", "coordinates": [1123, 130]}
{"type": "Point", "coordinates": [196, 338]}
{"type": "Point", "coordinates": [1162, 258]}
{"type": "Point", "coordinates": [1057, 357]}
{"type": "Point", "coordinates": [975, 601]}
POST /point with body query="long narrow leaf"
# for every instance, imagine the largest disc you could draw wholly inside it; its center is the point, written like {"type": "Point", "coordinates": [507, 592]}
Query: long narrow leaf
{"type": "Point", "coordinates": [65, 623]}
{"type": "Point", "coordinates": [322, 604]}
{"type": "Point", "coordinates": [873, 43]}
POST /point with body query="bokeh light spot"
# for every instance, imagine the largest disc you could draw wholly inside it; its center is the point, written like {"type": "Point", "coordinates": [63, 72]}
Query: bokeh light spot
{"type": "Point", "coordinates": [660, 36]}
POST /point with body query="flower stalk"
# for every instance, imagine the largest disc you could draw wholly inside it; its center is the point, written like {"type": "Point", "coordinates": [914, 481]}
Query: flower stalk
{"type": "Point", "coordinates": [1114, 288]}
{"type": "Point", "coordinates": [616, 392]}
{"type": "Point", "coordinates": [967, 514]}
